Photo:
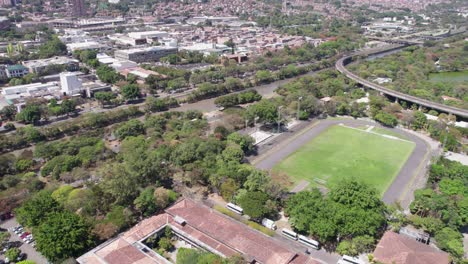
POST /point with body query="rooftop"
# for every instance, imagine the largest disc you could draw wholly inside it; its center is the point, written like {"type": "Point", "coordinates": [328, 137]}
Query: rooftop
{"type": "Point", "coordinates": [148, 49]}
{"type": "Point", "coordinates": [394, 248]}
{"type": "Point", "coordinates": [49, 61]}
{"type": "Point", "coordinates": [203, 226]}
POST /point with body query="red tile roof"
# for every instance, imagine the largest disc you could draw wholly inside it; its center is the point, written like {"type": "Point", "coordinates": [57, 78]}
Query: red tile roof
{"type": "Point", "coordinates": [204, 226]}
{"type": "Point", "coordinates": [399, 249]}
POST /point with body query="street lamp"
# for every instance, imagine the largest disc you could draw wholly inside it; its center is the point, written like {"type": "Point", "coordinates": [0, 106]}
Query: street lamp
{"type": "Point", "coordinates": [279, 117]}
{"type": "Point", "coordinates": [298, 107]}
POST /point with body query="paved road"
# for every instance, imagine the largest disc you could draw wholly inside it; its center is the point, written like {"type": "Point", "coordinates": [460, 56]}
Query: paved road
{"type": "Point", "coordinates": [398, 190]}
{"type": "Point", "coordinates": [26, 248]}
{"type": "Point", "coordinates": [340, 66]}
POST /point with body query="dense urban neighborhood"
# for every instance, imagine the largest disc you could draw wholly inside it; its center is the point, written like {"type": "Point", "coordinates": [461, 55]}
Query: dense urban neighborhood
{"type": "Point", "coordinates": [232, 132]}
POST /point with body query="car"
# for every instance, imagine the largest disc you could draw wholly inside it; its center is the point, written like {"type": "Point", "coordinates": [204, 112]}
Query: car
{"type": "Point", "coordinates": [21, 257]}
{"type": "Point", "coordinates": [27, 238]}
{"type": "Point", "coordinates": [29, 241]}
{"type": "Point", "coordinates": [2, 261]}
{"type": "Point", "coordinates": [25, 234]}
{"type": "Point", "coordinates": [7, 260]}
{"type": "Point", "coordinates": [19, 230]}
{"type": "Point", "coordinates": [6, 216]}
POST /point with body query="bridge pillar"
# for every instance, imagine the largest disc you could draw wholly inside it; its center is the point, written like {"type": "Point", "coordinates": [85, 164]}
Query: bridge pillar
{"type": "Point", "coordinates": [396, 101]}
{"type": "Point", "coordinates": [420, 108]}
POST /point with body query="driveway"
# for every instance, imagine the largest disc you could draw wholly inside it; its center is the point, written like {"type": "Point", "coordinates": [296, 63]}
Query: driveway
{"type": "Point", "coordinates": [25, 248]}
{"type": "Point", "coordinates": [401, 188]}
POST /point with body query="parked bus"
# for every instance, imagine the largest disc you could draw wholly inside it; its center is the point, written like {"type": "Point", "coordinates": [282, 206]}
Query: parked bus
{"type": "Point", "coordinates": [236, 209]}
{"type": "Point", "coordinates": [309, 242]}
{"type": "Point", "coordinates": [289, 234]}
{"type": "Point", "coordinates": [345, 259]}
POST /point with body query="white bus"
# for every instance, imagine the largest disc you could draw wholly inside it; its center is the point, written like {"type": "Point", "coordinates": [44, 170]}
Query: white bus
{"type": "Point", "coordinates": [236, 209]}
{"type": "Point", "coordinates": [309, 242]}
{"type": "Point", "coordinates": [289, 234]}
{"type": "Point", "coordinates": [349, 260]}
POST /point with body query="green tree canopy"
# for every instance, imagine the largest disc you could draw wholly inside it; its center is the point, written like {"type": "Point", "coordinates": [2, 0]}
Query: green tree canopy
{"type": "Point", "coordinates": [63, 235]}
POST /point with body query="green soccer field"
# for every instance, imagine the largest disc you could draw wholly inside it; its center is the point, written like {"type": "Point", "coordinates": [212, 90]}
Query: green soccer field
{"type": "Point", "coordinates": [342, 152]}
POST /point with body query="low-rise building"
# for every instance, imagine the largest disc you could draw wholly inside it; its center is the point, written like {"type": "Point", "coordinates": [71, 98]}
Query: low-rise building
{"type": "Point", "coordinates": [86, 45]}
{"type": "Point", "coordinates": [150, 54]}
{"type": "Point", "coordinates": [41, 66]}
{"type": "Point", "coordinates": [207, 48]}
{"type": "Point", "coordinates": [195, 226]}
{"type": "Point", "coordinates": [16, 71]}
{"type": "Point", "coordinates": [395, 248]}
{"type": "Point", "coordinates": [70, 83]}
{"type": "Point", "coordinates": [17, 95]}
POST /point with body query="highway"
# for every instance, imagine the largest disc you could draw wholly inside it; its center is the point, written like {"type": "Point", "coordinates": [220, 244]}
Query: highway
{"type": "Point", "coordinates": [340, 66]}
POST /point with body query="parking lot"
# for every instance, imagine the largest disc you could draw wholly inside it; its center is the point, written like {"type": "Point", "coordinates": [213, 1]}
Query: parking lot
{"type": "Point", "coordinates": [32, 254]}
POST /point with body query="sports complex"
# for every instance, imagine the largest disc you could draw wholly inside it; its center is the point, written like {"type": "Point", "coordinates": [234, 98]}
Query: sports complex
{"type": "Point", "coordinates": [328, 151]}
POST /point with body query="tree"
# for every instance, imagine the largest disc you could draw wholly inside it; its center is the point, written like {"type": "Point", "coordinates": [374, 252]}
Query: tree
{"type": "Point", "coordinates": [107, 74]}
{"type": "Point", "coordinates": [233, 153]}
{"type": "Point", "coordinates": [63, 235]}
{"type": "Point", "coordinates": [130, 128]}
{"type": "Point", "coordinates": [30, 114]}
{"type": "Point", "coordinates": [145, 202]}
{"type": "Point", "coordinates": [8, 112]}
{"type": "Point", "coordinates": [350, 209]}
{"type": "Point", "coordinates": [130, 91]}
{"type": "Point", "coordinates": [104, 97]}
{"type": "Point", "coordinates": [230, 44]}
{"type": "Point", "coordinates": [450, 241]}
{"type": "Point", "coordinates": [265, 110]}
{"type": "Point", "coordinates": [420, 120]}
{"type": "Point", "coordinates": [254, 204]}
{"type": "Point", "coordinates": [34, 211]}
{"type": "Point", "coordinates": [263, 76]}
{"type": "Point", "coordinates": [118, 183]}
{"type": "Point", "coordinates": [61, 194]}
{"type": "Point", "coordinates": [53, 47]}
{"type": "Point", "coordinates": [244, 141]}
{"type": "Point", "coordinates": [68, 106]}
{"type": "Point", "coordinates": [12, 254]}
{"type": "Point", "coordinates": [386, 119]}
{"type": "Point", "coordinates": [228, 189]}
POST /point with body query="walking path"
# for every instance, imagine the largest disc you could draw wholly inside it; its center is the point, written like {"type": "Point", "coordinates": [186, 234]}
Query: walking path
{"type": "Point", "coordinates": [300, 187]}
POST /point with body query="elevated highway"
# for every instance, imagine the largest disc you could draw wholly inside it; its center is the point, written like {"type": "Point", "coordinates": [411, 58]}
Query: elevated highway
{"type": "Point", "coordinates": [340, 66]}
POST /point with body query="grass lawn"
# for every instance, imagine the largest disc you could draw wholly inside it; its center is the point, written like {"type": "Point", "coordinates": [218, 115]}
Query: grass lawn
{"type": "Point", "coordinates": [342, 152]}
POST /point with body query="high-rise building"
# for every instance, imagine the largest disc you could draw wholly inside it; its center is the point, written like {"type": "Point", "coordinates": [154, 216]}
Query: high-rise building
{"type": "Point", "coordinates": [7, 3]}
{"type": "Point", "coordinates": [77, 8]}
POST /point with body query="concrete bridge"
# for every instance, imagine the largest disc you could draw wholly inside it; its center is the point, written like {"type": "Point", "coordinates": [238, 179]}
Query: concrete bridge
{"type": "Point", "coordinates": [340, 66]}
{"type": "Point", "coordinates": [397, 41]}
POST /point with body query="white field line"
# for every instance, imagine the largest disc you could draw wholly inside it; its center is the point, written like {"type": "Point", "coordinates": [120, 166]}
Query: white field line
{"type": "Point", "coordinates": [382, 135]}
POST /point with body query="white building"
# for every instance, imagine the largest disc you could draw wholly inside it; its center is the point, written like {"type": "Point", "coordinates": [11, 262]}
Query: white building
{"type": "Point", "coordinates": [18, 95]}
{"type": "Point", "coordinates": [207, 48]}
{"type": "Point", "coordinates": [150, 54]}
{"type": "Point", "coordinates": [149, 35]}
{"type": "Point", "coordinates": [87, 45]}
{"type": "Point", "coordinates": [70, 83]}
{"type": "Point", "coordinates": [40, 66]}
